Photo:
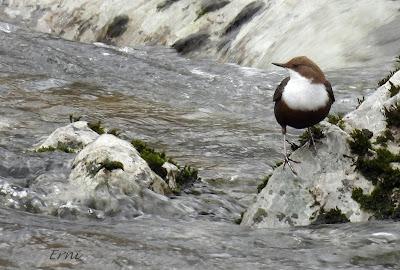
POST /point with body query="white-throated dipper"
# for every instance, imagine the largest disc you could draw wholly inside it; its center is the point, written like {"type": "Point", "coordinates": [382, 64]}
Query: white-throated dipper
{"type": "Point", "coordinates": [303, 99]}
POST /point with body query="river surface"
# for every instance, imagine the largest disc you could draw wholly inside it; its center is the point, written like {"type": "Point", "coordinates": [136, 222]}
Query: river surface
{"type": "Point", "coordinates": [216, 117]}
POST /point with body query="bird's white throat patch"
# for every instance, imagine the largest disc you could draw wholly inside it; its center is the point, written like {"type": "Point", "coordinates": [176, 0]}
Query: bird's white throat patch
{"type": "Point", "coordinates": [301, 94]}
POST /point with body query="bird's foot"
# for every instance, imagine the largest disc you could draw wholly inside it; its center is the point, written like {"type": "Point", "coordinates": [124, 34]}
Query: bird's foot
{"type": "Point", "coordinates": [287, 161]}
{"type": "Point", "coordinates": [311, 142]}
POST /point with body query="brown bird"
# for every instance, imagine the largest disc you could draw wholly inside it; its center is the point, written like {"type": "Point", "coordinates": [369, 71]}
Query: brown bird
{"type": "Point", "coordinates": [303, 99]}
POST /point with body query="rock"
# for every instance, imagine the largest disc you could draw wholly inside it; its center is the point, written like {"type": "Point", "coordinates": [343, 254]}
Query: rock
{"type": "Point", "coordinates": [191, 43]}
{"type": "Point", "coordinates": [74, 137]}
{"type": "Point", "coordinates": [115, 164]}
{"type": "Point", "coordinates": [245, 15]}
{"type": "Point", "coordinates": [172, 172]}
{"type": "Point", "coordinates": [370, 114]}
{"type": "Point", "coordinates": [207, 6]}
{"type": "Point", "coordinates": [325, 179]}
{"type": "Point", "coordinates": [253, 29]}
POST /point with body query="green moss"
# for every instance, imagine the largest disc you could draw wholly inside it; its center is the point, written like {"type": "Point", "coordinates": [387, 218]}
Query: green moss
{"type": "Point", "coordinates": [360, 143]}
{"type": "Point", "coordinates": [46, 149]}
{"type": "Point", "coordinates": [380, 172]}
{"type": "Point", "coordinates": [107, 164]}
{"type": "Point", "coordinates": [384, 138]}
{"type": "Point", "coordinates": [97, 127]}
{"type": "Point", "coordinates": [153, 158]}
{"type": "Point", "coordinates": [379, 202]}
{"type": "Point", "coordinates": [115, 131]}
{"type": "Point", "coordinates": [185, 176]}
{"type": "Point", "coordinates": [378, 168]}
{"type": "Point", "coordinates": [333, 216]}
{"type": "Point", "coordinates": [317, 134]}
{"type": "Point", "coordinates": [393, 116]}
{"type": "Point", "coordinates": [264, 183]}
{"type": "Point", "coordinates": [60, 147]}
{"type": "Point", "coordinates": [336, 120]}
{"type": "Point", "coordinates": [110, 165]}
{"type": "Point", "coordinates": [391, 73]}
{"type": "Point", "coordinates": [64, 148]}
{"type": "Point", "coordinates": [394, 90]}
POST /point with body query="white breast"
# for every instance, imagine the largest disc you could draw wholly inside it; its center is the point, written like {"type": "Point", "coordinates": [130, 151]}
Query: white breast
{"type": "Point", "coordinates": [301, 94]}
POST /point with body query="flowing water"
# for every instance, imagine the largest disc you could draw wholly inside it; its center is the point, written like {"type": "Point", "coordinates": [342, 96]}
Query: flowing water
{"type": "Point", "coordinates": [216, 117]}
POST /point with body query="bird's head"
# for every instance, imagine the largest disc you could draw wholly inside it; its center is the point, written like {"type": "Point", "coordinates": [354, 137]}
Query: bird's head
{"type": "Point", "coordinates": [304, 67]}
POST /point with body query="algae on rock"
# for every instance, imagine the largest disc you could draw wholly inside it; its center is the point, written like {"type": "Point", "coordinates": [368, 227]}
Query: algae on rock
{"type": "Point", "coordinates": [184, 176]}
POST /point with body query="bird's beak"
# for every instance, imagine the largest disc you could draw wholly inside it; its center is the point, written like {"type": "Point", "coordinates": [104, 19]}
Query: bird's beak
{"type": "Point", "coordinates": [279, 65]}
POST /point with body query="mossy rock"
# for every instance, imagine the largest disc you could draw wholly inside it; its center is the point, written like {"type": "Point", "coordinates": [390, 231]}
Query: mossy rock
{"type": "Point", "coordinates": [305, 138]}
{"type": "Point", "coordinates": [264, 183]}
{"type": "Point", "coordinates": [336, 119]}
{"type": "Point", "coordinates": [393, 116]}
{"type": "Point", "coordinates": [153, 158]}
{"type": "Point", "coordinates": [63, 147]}
{"type": "Point", "coordinates": [384, 138]}
{"type": "Point", "coordinates": [394, 90]}
{"type": "Point", "coordinates": [114, 131]}
{"type": "Point", "coordinates": [186, 175]}
{"type": "Point", "coordinates": [107, 164]}
{"type": "Point", "coordinates": [360, 143]}
{"type": "Point", "coordinates": [110, 165]}
{"type": "Point", "coordinates": [378, 202]}
{"type": "Point", "coordinates": [97, 127]}
{"type": "Point", "coordinates": [46, 149]}
{"type": "Point", "coordinates": [379, 170]}
{"type": "Point", "coordinates": [317, 134]}
{"type": "Point", "coordinates": [333, 216]}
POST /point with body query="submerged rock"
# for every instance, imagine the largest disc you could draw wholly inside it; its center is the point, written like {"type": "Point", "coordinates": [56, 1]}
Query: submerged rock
{"type": "Point", "coordinates": [71, 138]}
{"type": "Point", "coordinates": [114, 163]}
{"type": "Point", "coordinates": [326, 179]}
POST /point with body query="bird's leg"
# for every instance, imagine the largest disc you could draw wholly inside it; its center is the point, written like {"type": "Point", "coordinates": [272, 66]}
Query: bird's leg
{"type": "Point", "coordinates": [287, 160]}
{"type": "Point", "coordinates": [312, 142]}
{"type": "Point", "coordinates": [293, 146]}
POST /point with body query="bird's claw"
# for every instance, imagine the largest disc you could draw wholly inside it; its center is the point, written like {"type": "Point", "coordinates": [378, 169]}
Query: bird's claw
{"type": "Point", "coordinates": [312, 143]}
{"type": "Point", "coordinates": [287, 161]}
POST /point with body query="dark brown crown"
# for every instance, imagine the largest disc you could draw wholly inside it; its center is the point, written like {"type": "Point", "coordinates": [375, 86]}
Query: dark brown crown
{"type": "Point", "coordinates": [306, 67]}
